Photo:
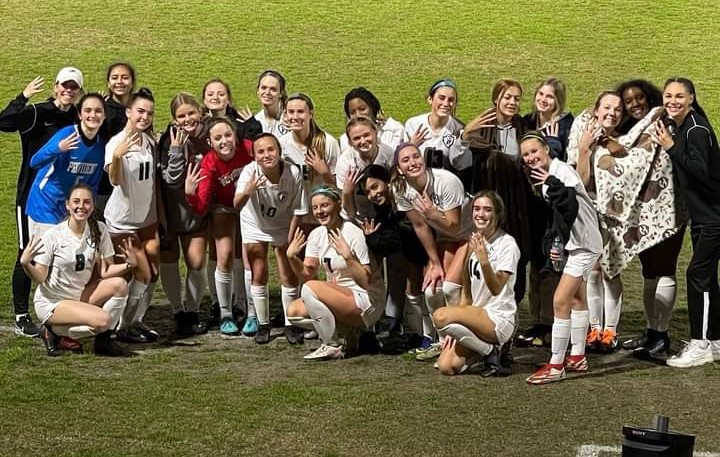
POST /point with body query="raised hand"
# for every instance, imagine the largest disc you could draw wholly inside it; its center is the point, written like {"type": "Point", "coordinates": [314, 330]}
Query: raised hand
{"type": "Point", "coordinates": [244, 114]}
{"type": "Point", "coordinates": [131, 139]}
{"type": "Point", "coordinates": [337, 241]}
{"type": "Point", "coordinates": [421, 135]}
{"type": "Point", "coordinates": [34, 87]}
{"type": "Point", "coordinates": [551, 129]}
{"type": "Point", "coordinates": [313, 159]}
{"type": "Point", "coordinates": [369, 226]}
{"type": "Point", "coordinates": [256, 181]}
{"type": "Point", "coordinates": [424, 205]}
{"type": "Point", "coordinates": [478, 245]}
{"type": "Point", "coordinates": [193, 178]}
{"type": "Point", "coordinates": [127, 251]}
{"type": "Point", "coordinates": [539, 175]}
{"type": "Point", "coordinates": [351, 178]}
{"type": "Point", "coordinates": [32, 250]}
{"type": "Point", "coordinates": [178, 137]}
{"type": "Point", "coordinates": [297, 243]}
{"type": "Point", "coordinates": [69, 142]}
{"type": "Point", "coordinates": [592, 132]}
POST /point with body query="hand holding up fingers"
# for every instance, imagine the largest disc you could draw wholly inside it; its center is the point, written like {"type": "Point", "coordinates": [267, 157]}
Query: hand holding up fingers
{"type": "Point", "coordinates": [127, 251]}
{"type": "Point", "coordinates": [369, 227]}
{"type": "Point", "coordinates": [193, 178]}
{"type": "Point", "coordinates": [178, 137]}
{"type": "Point", "coordinates": [244, 114]}
{"type": "Point", "coordinates": [34, 87]}
{"type": "Point", "coordinates": [124, 146]}
{"type": "Point", "coordinates": [421, 135]}
{"type": "Point", "coordinates": [297, 243]}
{"type": "Point", "coordinates": [32, 250]}
{"type": "Point", "coordinates": [337, 241]}
{"type": "Point", "coordinates": [70, 142]}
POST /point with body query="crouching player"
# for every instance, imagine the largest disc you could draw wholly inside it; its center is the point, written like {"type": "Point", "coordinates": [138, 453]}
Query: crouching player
{"type": "Point", "coordinates": [474, 333]}
{"type": "Point", "coordinates": [62, 263]}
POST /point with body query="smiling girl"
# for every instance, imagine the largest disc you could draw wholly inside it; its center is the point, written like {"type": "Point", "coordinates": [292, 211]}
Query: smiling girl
{"type": "Point", "coordinates": [360, 102]}
{"type": "Point", "coordinates": [62, 263]}
{"type": "Point", "coordinates": [486, 318]}
{"type": "Point", "coordinates": [75, 154]}
{"type": "Point", "coordinates": [549, 116]}
{"type": "Point", "coordinates": [691, 142]}
{"type": "Point", "coordinates": [271, 198]}
{"type": "Point", "coordinates": [354, 293]}
{"type": "Point", "coordinates": [439, 210]}
{"type": "Point", "coordinates": [183, 144]}
{"type": "Point", "coordinates": [272, 95]}
{"type": "Point", "coordinates": [210, 188]}
{"type": "Point", "coordinates": [131, 209]}
{"type": "Point", "coordinates": [576, 225]}
{"type": "Point", "coordinates": [439, 131]}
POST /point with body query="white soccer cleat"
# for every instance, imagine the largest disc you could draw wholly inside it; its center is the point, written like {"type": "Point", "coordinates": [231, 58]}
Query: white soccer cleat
{"type": "Point", "coordinates": [326, 352]}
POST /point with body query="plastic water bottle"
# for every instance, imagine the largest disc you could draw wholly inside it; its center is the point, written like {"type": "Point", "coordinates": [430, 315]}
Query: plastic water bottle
{"type": "Point", "coordinates": [558, 249]}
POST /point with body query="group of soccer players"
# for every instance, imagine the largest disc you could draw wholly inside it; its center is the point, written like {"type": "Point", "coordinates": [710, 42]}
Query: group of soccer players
{"type": "Point", "coordinates": [431, 224]}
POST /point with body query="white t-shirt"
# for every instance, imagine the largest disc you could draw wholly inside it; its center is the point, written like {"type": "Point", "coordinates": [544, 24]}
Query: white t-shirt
{"type": "Point", "coordinates": [272, 206]}
{"type": "Point", "coordinates": [295, 153]}
{"type": "Point", "coordinates": [131, 205]}
{"type": "Point", "coordinates": [504, 255]}
{"type": "Point", "coordinates": [446, 192]}
{"type": "Point", "coordinates": [584, 233]}
{"type": "Point", "coordinates": [336, 270]}
{"type": "Point", "coordinates": [70, 260]}
{"type": "Point", "coordinates": [270, 125]}
{"type": "Point", "coordinates": [456, 152]}
{"type": "Point", "coordinates": [391, 134]}
{"type": "Point", "coordinates": [351, 159]}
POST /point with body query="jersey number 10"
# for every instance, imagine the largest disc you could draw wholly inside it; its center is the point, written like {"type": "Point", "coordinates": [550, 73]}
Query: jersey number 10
{"type": "Point", "coordinates": [268, 211]}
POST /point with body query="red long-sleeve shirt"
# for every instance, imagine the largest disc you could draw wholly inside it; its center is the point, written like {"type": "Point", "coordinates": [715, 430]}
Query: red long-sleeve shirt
{"type": "Point", "coordinates": [218, 186]}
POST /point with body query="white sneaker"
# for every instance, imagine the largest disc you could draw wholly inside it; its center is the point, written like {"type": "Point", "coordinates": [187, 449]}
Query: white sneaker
{"type": "Point", "coordinates": [715, 348]}
{"type": "Point", "coordinates": [694, 354]}
{"type": "Point", "coordinates": [326, 352]}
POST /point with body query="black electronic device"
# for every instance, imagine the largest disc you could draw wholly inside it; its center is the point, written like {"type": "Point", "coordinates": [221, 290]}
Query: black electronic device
{"type": "Point", "coordinates": [656, 441]}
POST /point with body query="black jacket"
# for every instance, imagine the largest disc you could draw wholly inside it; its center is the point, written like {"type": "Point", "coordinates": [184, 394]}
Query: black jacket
{"type": "Point", "coordinates": [696, 164]}
{"type": "Point", "coordinates": [564, 204]}
{"type": "Point", "coordinates": [395, 234]}
{"type": "Point", "coordinates": [558, 144]}
{"type": "Point", "coordinates": [36, 123]}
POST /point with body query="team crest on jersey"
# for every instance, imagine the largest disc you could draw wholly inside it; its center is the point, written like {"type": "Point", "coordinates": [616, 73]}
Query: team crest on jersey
{"type": "Point", "coordinates": [282, 196]}
{"type": "Point", "coordinates": [282, 130]}
{"type": "Point", "coordinates": [448, 139]}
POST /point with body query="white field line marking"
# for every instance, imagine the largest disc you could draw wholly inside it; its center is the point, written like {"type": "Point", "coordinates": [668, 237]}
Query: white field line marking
{"type": "Point", "coordinates": [594, 450]}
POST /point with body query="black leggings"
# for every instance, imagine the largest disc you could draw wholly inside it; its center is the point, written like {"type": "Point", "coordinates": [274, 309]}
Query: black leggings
{"type": "Point", "coordinates": [661, 259]}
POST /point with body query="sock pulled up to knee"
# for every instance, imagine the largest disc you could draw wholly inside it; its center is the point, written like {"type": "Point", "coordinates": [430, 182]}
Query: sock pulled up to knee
{"type": "Point", "coordinates": [467, 338]}
{"type": "Point", "coordinates": [323, 318]}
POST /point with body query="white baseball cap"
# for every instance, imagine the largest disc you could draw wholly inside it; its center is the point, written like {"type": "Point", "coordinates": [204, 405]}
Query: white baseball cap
{"type": "Point", "coordinates": [70, 74]}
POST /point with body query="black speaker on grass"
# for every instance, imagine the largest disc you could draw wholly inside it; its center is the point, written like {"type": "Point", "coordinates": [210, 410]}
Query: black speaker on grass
{"type": "Point", "coordinates": [657, 441]}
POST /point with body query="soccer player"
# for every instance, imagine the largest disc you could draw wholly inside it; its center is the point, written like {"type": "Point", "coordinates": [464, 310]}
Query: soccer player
{"type": "Point", "coordinates": [131, 211]}
{"type": "Point", "coordinates": [487, 320]}
{"type": "Point", "coordinates": [439, 209]}
{"type": "Point", "coordinates": [308, 146]}
{"type": "Point", "coordinates": [62, 263]}
{"type": "Point", "coordinates": [353, 294]}
{"type": "Point", "coordinates": [360, 102]}
{"type": "Point", "coordinates": [576, 225]}
{"type": "Point", "coordinates": [184, 143]}
{"type": "Point", "coordinates": [271, 198]}
{"type": "Point", "coordinates": [75, 154]}
{"type": "Point", "coordinates": [210, 188]}
{"type": "Point", "coordinates": [36, 123]}
{"type": "Point", "coordinates": [438, 133]}
{"type": "Point", "coordinates": [272, 95]}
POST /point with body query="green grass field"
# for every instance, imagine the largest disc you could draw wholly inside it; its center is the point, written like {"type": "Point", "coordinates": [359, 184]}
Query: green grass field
{"type": "Point", "coordinates": [214, 396]}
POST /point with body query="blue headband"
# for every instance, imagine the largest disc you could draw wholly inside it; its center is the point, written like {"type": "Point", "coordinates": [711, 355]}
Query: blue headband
{"type": "Point", "coordinates": [442, 83]}
{"type": "Point", "coordinates": [327, 191]}
{"type": "Point", "coordinates": [400, 147]}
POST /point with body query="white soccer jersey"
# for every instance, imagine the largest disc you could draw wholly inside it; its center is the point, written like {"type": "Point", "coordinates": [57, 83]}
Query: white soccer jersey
{"type": "Point", "coordinates": [456, 152]}
{"type": "Point", "coordinates": [271, 207]}
{"type": "Point", "coordinates": [132, 204]}
{"type": "Point", "coordinates": [446, 192]}
{"type": "Point", "coordinates": [391, 134]}
{"type": "Point", "coordinates": [270, 125]}
{"type": "Point", "coordinates": [336, 269]}
{"type": "Point", "coordinates": [584, 233]}
{"type": "Point", "coordinates": [504, 255]}
{"type": "Point", "coordinates": [351, 159]}
{"type": "Point", "coordinates": [70, 260]}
